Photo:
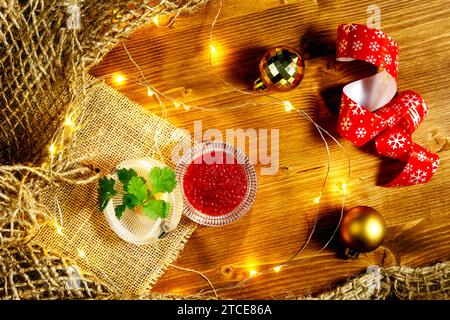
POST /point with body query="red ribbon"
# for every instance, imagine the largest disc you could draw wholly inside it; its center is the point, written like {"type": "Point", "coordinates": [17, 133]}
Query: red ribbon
{"type": "Point", "coordinates": [369, 109]}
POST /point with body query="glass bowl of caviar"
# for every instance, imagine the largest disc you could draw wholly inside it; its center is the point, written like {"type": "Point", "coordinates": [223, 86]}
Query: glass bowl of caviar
{"type": "Point", "coordinates": [218, 183]}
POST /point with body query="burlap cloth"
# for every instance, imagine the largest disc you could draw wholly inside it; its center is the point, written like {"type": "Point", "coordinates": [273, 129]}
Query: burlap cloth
{"type": "Point", "coordinates": [43, 80]}
{"type": "Point", "coordinates": [41, 59]}
{"type": "Point", "coordinates": [44, 63]}
{"type": "Point", "coordinates": [30, 272]}
{"type": "Point", "coordinates": [110, 128]}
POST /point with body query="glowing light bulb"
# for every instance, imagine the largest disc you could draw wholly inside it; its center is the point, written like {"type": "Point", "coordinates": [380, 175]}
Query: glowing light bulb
{"type": "Point", "coordinates": [155, 20]}
{"type": "Point", "coordinates": [119, 79]}
{"type": "Point", "coordinates": [69, 122]}
{"type": "Point", "coordinates": [317, 199]}
{"type": "Point", "coordinates": [253, 273]}
{"type": "Point", "coordinates": [213, 49]}
{"type": "Point", "coordinates": [52, 149]}
{"type": "Point", "coordinates": [59, 230]}
{"type": "Point", "coordinates": [150, 92]}
{"type": "Point", "coordinates": [176, 104]}
{"type": "Point", "coordinates": [344, 187]}
{"type": "Point", "coordinates": [287, 106]}
{"type": "Point", "coordinates": [81, 253]}
{"type": "Point", "coordinates": [277, 269]}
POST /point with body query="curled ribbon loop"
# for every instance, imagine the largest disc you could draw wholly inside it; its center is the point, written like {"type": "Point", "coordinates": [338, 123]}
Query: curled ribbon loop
{"type": "Point", "coordinates": [370, 108]}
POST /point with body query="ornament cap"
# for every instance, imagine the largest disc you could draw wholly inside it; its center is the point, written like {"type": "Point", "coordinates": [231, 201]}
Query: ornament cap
{"type": "Point", "coordinates": [259, 85]}
{"type": "Point", "coordinates": [350, 253]}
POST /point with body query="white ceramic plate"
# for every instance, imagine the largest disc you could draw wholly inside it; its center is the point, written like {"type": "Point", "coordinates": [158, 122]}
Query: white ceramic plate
{"type": "Point", "coordinates": [134, 226]}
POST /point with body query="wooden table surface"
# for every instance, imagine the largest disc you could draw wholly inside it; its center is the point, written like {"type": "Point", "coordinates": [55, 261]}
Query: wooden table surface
{"type": "Point", "coordinates": [418, 218]}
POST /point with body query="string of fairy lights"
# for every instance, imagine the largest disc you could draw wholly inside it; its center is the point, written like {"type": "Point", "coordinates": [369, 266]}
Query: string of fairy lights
{"type": "Point", "coordinates": [160, 98]}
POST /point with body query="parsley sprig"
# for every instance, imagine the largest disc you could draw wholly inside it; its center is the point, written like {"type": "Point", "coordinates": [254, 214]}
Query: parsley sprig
{"type": "Point", "coordinates": [136, 192]}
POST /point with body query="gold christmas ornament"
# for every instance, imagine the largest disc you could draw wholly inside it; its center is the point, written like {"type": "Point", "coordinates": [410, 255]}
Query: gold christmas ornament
{"type": "Point", "coordinates": [362, 230]}
{"type": "Point", "coordinates": [281, 69]}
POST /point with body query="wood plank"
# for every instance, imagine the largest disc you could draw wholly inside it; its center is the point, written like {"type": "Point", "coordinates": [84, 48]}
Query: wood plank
{"type": "Point", "coordinates": [418, 217]}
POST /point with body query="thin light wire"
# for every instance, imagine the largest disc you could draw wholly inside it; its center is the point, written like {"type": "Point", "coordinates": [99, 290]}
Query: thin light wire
{"type": "Point", "coordinates": [199, 273]}
{"type": "Point", "coordinates": [171, 21]}
{"type": "Point", "coordinates": [320, 130]}
{"type": "Point", "coordinates": [53, 189]}
{"type": "Point", "coordinates": [162, 105]}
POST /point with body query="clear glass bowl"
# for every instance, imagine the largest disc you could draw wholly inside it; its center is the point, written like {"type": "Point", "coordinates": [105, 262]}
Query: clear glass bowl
{"type": "Point", "coordinates": [252, 184]}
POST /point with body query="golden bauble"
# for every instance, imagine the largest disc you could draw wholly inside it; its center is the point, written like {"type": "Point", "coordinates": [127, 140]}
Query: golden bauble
{"type": "Point", "coordinates": [281, 69]}
{"type": "Point", "coordinates": [362, 229]}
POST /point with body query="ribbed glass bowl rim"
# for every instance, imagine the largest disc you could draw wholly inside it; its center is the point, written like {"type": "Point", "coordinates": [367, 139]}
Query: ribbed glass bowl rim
{"type": "Point", "coordinates": [250, 173]}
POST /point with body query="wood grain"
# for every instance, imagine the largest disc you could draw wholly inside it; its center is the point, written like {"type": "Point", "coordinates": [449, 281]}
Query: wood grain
{"type": "Point", "coordinates": [418, 218]}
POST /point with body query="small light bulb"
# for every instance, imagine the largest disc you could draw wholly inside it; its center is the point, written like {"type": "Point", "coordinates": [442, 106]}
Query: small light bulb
{"type": "Point", "coordinates": [176, 104]}
{"type": "Point", "coordinates": [119, 79]}
{"type": "Point", "coordinates": [69, 122]}
{"type": "Point", "coordinates": [155, 20]}
{"type": "Point", "coordinates": [287, 106]}
{"type": "Point", "coordinates": [344, 187]}
{"type": "Point", "coordinates": [150, 92]}
{"type": "Point", "coordinates": [59, 230]}
{"type": "Point", "coordinates": [213, 49]}
{"type": "Point", "coordinates": [277, 269]}
{"type": "Point", "coordinates": [52, 149]}
{"type": "Point", "coordinates": [317, 200]}
{"type": "Point", "coordinates": [81, 253]}
{"type": "Point", "coordinates": [253, 273]}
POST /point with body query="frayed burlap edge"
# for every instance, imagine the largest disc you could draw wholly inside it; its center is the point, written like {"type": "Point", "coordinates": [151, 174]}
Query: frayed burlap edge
{"type": "Point", "coordinates": [397, 282]}
{"type": "Point", "coordinates": [34, 105]}
{"type": "Point", "coordinates": [31, 272]}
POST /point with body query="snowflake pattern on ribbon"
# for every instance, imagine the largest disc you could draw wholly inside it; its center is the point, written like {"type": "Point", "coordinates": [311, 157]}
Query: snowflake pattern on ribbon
{"type": "Point", "coordinates": [346, 123]}
{"type": "Point", "coordinates": [396, 141]}
{"type": "Point", "coordinates": [418, 177]}
{"type": "Point", "coordinates": [392, 125]}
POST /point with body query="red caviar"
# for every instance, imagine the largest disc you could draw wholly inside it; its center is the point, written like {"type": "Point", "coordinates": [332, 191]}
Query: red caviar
{"type": "Point", "coordinates": [215, 188]}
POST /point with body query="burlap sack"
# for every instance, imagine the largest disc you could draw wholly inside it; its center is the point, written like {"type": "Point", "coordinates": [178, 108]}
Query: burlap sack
{"type": "Point", "coordinates": [397, 282]}
{"type": "Point", "coordinates": [44, 58]}
{"type": "Point", "coordinates": [30, 272]}
{"type": "Point", "coordinates": [43, 63]}
{"type": "Point", "coordinates": [110, 128]}
{"type": "Point", "coordinates": [43, 54]}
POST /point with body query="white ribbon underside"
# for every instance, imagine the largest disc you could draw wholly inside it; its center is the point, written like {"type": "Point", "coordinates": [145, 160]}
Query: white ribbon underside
{"type": "Point", "coordinates": [373, 92]}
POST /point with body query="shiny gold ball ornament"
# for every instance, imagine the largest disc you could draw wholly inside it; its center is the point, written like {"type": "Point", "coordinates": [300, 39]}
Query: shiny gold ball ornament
{"type": "Point", "coordinates": [281, 69]}
{"type": "Point", "coordinates": [362, 229]}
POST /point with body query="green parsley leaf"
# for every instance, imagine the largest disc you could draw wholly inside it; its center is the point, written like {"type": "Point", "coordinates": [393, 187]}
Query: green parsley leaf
{"type": "Point", "coordinates": [137, 187]}
{"type": "Point", "coordinates": [162, 179]}
{"type": "Point", "coordinates": [155, 209]}
{"type": "Point", "coordinates": [125, 176]}
{"type": "Point", "coordinates": [119, 210]}
{"type": "Point", "coordinates": [105, 192]}
{"type": "Point", "coordinates": [130, 201]}
{"type": "Point", "coordinates": [166, 210]}
{"type": "Point", "coordinates": [136, 191]}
